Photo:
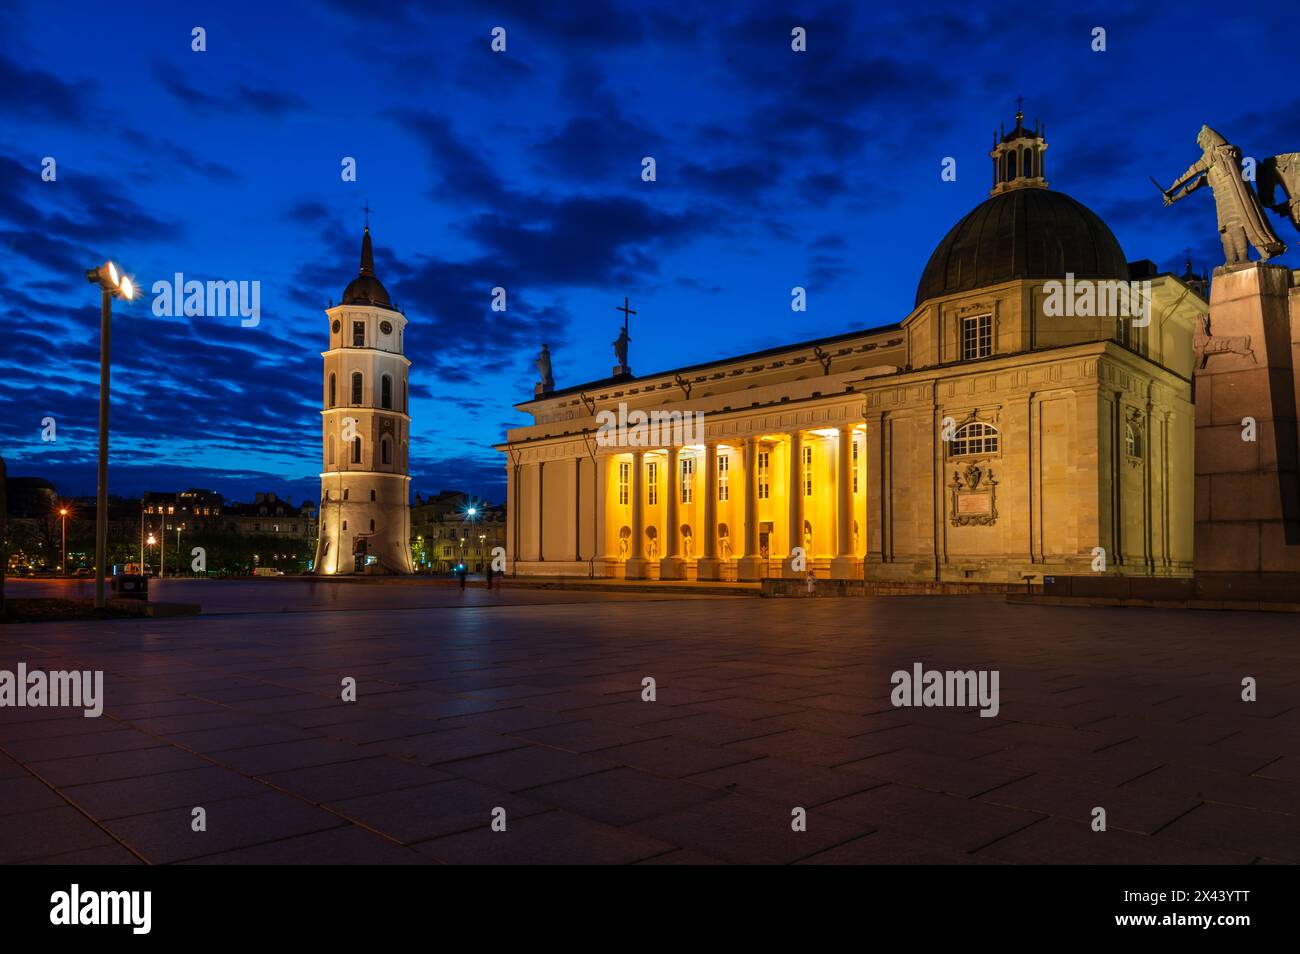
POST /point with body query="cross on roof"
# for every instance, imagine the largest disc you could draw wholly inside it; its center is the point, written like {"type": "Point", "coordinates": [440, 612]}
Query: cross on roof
{"type": "Point", "coordinates": [625, 310]}
{"type": "Point", "coordinates": [367, 209]}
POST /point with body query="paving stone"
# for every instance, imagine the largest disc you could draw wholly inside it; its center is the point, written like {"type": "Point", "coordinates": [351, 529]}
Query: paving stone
{"type": "Point", "coordinates": [167, 836]}
{"type": "Point", "coordinates": [49, 831]}
{"type": "Point", "coordinates": [349, 845]}
{"type": "Point", "coordinates": [620, 796]}
{"type": "Point", "coordinates": [411, 815]}
{"type": "Point", "coordinates": [25, 793]}
{"type": "Point", "coordinates": [527, 767]}
{"type": "Point", "coordinates": [550, 838]}
{"type": "Point", "coordinates": [114, 765]}
{"type": "Point", "coordinates": [791, 783]}
{"type": "Point", "coordinates": [1055, 841]}
{"type": "Point", "coordinates": [1074, 800]}
{"type": "Point", "coordinates": [941, 819]}
{"type": "Point", "coordinates": [342, 780]}
{"type": "Point", "coordinates": [152, 793]}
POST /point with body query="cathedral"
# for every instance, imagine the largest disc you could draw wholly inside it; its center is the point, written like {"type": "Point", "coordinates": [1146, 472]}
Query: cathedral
{"type": "Point", "coordinates": [1023, 420]}
{"type": "Point", "coordinates": [365, 517]}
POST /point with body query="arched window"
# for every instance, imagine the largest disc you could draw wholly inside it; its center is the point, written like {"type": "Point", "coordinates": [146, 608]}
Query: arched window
{"type": "Point", "coordinates": [356, 451]}
{"type": "Point", "coordinates": [386, 451]}
{"type": "Point", "coordinates": [357, 387]}
{"type": "Point", "coordinates": [1011, 164]}
{"type": "Point", "coordinates": [345, 524]}
{"type": "Point", "coordinates": [329, 459]}
{"type": "Point", "coordinates": [372, 526]}
{"type": "Point", "coordinates": [386, 392]}
{"type": "Point", "coordinates": [974, 439]}
{"type": "Point", "coordinates": [332, 389]}
{"type": "Point", "coordinates": [1132, 439]}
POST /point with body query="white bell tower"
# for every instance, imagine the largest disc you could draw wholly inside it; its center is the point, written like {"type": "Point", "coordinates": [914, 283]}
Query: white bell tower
{"type": "Point", "coordinates": [365, 516]}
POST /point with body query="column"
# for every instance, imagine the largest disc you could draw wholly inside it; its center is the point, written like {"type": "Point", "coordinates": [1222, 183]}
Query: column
{"type": "Point", "coordinates": [577, 509]}
{"type": "Point", "coordinates": [541, 508]}
{"type": "Point", "coordinates": [845, 563]}
{"type": "Point", "coordinates": [636, 564]}
{"type": "Point", "coordinates": [512, 516]}
{"type": "Point", "coordinates": [671, 567]}
{"type": "Point", "coordinates": [600, 480]}
{"type": "Point", "coordinates": [795, 501]}
{"type": "Point", "coordinates": [876, 473]}
{"type": "Point", "coordinates": [751, 563]}
{"type": "Point", "coordinates": [708, 566]}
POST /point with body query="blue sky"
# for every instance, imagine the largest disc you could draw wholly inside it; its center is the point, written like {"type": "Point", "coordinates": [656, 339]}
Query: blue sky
{"type": "Point", "coordinates": [522, 169]}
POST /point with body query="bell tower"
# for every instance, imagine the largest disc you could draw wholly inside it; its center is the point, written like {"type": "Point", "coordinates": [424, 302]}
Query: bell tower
{"type": "Point", "coordinates": [365, 517]}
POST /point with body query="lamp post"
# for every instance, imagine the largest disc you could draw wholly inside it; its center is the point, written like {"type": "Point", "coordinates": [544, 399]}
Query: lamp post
{"type": "Point", "coordinates": [63, 566]}
{"type": "Point", "coordinates": [110, 282]}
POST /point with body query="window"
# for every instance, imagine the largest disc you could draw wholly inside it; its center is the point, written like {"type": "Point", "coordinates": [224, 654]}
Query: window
{"type": "Point", "coordinates": [724, 465]}
{"type": "Point", "coordinates": [329, 459]}
{"type": "Point", "coordinates": [1011, 164]}
{"type": "Point", "coordinates": [1132, 440]}
{"type": "Point", "coordinates": [976, 337]}
{"type": "Point", "coordinates": [356, 451]}
{"type": "Point", "coordinates": [624, 470]}
{"type": "Point", "coordinates": [345, 493]}
{"type": "Point", "coordinates": [385, 456]}
{"type": "Point", "coordinates": [358, 385]}
{"type": "Point", "coordinates": [652, 483]}
{"type": "Point", "coordinates": [345, 524]}
{"type": "Point", "coordinates": [807, 469]}
{"type": "Point", "coordinates": [332, 389]}
{"type": "Point", "coordinates": [764, 460]}
{"type": "Point", "coordinates": [854, 438]}
{"type": "Point", "coordinates": [974, 439]}
{"type": "Point", "coordinates": [372, 526]}
{"type": "Point", "coordinates": [358, 334]}
{"type": "Point", "coordinates": [386, 392]}
{"type": "Point", "coordinates": [688, 479]}
{"type": "Point", "coordinates": [372, 496]}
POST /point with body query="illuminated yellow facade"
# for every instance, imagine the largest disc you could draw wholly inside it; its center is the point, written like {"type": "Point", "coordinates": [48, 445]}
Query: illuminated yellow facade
{"type": "Point", "coordinates": [987, 437]}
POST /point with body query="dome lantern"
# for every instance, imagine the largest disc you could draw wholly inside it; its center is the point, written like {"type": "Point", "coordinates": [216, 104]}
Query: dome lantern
{"type": "Point", "coordinates": [1018, 158]}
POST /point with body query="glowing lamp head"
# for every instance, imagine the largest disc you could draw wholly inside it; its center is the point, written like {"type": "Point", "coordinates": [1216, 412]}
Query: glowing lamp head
{"type": "Point", "coordinates": [472, 511]}
{"type": "Point", "coordinates": [151, 540]}
{"type": "Point", "coordinates": [63, 511]}
{"type": "Point", "coordinates": [113, 281]}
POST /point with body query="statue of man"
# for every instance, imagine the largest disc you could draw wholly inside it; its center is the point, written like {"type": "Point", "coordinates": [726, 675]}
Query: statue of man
{"type": "Point", "coordinates": [1241, 215]}
{"type": "Point", "coordinates": [544, 368]}
{"type": "Point", "coordinates": [620, 347]}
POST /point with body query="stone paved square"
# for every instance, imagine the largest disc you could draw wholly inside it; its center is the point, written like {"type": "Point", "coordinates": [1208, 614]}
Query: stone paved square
{"type": "Point", "coordinates": [530, 700]}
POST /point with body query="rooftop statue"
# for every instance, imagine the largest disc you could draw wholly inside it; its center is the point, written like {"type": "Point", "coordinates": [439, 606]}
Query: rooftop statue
{"type": "Point", "coordinates": [1242, 222]}
{"type": "Point", "coordinates": [543, 363]}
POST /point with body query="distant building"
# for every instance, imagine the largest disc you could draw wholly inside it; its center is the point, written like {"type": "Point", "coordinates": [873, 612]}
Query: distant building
{"type": "Point", "coordinates": [451, 528]}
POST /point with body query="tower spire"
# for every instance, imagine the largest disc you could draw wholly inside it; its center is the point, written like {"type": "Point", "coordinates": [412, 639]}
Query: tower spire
{"type": "Point", "coordinates": [367, 254]}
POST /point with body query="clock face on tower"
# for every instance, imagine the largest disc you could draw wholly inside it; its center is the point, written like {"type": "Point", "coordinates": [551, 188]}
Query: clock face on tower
{"type": "Point", "coordinates": [335, 327]}
{"type": "Point", "coordinates": [386, 327]}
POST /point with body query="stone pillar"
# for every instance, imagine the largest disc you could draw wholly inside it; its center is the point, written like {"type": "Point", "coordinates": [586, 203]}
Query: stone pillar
{"type": "Point", "coordinates": [845, 564]}
{"type": "Point", "coordinates": [876, 475]}
{"type": "Point", "coordinates": [751, 566]}
{"type": "Point", "coordinates": [512, 515]}
{"type": "Point", "coordinates": [600, 479]}
{"type": "Point", "coordinates": [636, 564]}
{"type": "Point", "coordinates": [672, 566]}
{"type": "Point", "coordinates": [709, 567]}
{"type": "Point", "coordinates": [1247, 544]}
{"type": "Point", "coordinates": [795, 501]}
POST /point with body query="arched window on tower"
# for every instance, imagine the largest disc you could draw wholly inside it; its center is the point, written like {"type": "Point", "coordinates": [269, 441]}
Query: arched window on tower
{"type": "Point", "coordinates": [357, 387]}
{"type": "Point", "coordinates": [385, 450]}
{"type": "Point", "coordinates": [386, 392]}
{"type": "Point", "coordinates": [356, 451]}
{"type": "Point", "coordinates": [333, 389]}
{"type": "Point", "coordinates": [330, 454]}
{"type": "Point", "coordinates": [1011, 164]}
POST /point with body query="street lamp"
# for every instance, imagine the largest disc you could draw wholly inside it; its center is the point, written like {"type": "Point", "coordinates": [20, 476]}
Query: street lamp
{"type": "Point", "coordinates": [63, 566]}
{"type": "Point", "coordinates": [111, 283]}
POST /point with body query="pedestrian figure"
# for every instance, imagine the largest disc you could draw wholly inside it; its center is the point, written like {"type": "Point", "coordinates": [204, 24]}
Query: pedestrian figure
{"type": "Point", "coordinates": [461, 571]}
{"type": "Point", "coordinates": [811, 582]}
{"type": "Point", "coordinates": [489, 576]}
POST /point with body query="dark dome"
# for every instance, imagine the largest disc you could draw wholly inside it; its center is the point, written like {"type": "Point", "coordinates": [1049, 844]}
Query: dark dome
{"type": "Point", "coordinates": [1022, 233]}
{"type": "Point", "coordinates": [366, 290]}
